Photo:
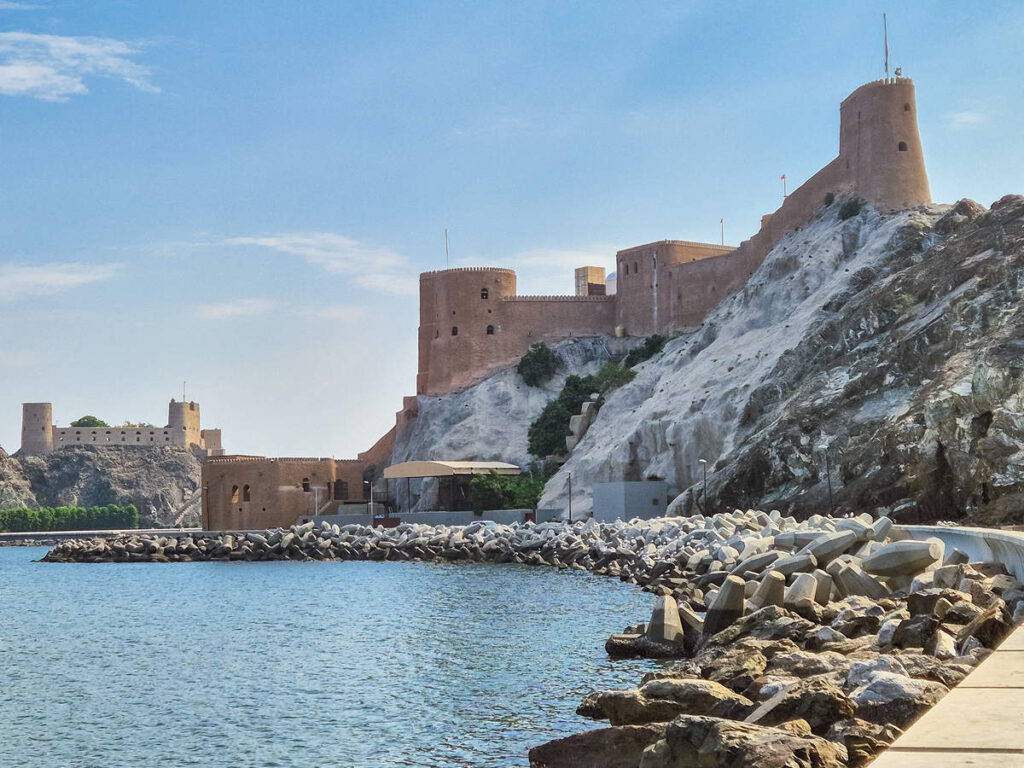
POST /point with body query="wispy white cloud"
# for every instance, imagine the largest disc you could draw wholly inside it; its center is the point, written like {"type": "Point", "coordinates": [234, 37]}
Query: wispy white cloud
{"type": "Point", "coordinates": [12, 5]}
{"type": "Point", "coordinates": [239, 308]}
{"type": "Point", "coordinates": [371, 267]}
{"type": "Point", "coordinates": [345, 314]}
{"type": "Point", "coordinates": [19, 282]}
{"type": "Point", "coordinates": [55, 67]}
{"type": "Point", "coordinates": [965, 119]}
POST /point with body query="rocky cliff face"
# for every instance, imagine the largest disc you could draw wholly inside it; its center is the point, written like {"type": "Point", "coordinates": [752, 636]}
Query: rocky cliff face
{"type": "Point", "coordinates": [156, 480]}
{"type": "Point", "coordinates": [488, 422]}
{"type": "Point", "coordinates": [15, 490]}
{"type": "Point", "coordinates": [896, 343]}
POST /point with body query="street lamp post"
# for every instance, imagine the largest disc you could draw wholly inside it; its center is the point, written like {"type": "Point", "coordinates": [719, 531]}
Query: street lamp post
{"type": "Point", "coordinates": [369, 485]}
{"type": "Point", "coordinates": [570, 498]}
{"type": "Point", "coordinates": [704, 489]}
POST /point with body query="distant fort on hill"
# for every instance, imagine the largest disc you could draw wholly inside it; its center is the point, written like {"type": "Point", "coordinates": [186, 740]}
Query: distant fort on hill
{"type": "Point", "coordinates": [40, 436]}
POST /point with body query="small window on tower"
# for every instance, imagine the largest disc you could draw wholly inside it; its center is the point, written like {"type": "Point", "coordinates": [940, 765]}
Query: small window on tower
{"type": "Point", "coordinates": [636, 267]}
{"type": "Point", "coordinates": [234, 494]}
{"type": "Point", "coordinates": [305, 484]}
{"type": "Point", "coordinates": [246, 496]}
{"type": "Point", "coordinates": [484, 293]}
{"type": "Point", "coordinates": [902, 146]}
{"type": "Point", "coordinates": [906, 107]}
{"type": "Point", "coordinates": [490, 330]}
{"type": "Point", "coordinates": [625, 268]}
{"type": "Point", "coordinates": [455, 331]}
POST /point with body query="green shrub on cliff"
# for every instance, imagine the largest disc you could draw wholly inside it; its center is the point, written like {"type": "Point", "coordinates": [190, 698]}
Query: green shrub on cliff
{"type": "Point", "coordinates": [538, 364]}
{"type": "Point", "coordinates": [546, 435]}
{"type": "Point", "coordinates": [68, 518]}
{"type": "Point", "coordinates": [89, 421]}
{"type": "Point", "coordinates": [850, 208]}
{"type": "Point", "coordinates": [652, 345]}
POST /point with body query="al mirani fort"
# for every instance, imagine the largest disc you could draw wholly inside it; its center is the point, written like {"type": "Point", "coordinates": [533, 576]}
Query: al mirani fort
{"type": "Point", "coordinates": [473, 322]}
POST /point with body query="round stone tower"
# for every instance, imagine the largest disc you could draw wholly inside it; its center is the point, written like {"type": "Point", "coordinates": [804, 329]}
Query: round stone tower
{"type": "Point", "coordinates": [183, 422]}
{"type": "Point", "coordinates": [880, 147]}
{"type": "Point", "coordinates": [36, 428]}
{"type": "Point", "coordinates": [460, 325]}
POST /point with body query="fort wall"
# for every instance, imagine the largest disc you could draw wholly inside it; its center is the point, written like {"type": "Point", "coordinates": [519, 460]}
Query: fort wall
{"type": "Point", "coordinates": [255, 492]}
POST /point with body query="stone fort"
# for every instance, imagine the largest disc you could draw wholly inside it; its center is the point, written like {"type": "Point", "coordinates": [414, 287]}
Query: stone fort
{"type": "Point", "coordinates": [39, 435]}
{"type": "Point", "coordinates": [472, 321]}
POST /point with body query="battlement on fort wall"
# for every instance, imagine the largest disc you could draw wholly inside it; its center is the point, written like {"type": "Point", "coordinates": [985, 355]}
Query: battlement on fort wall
{"type": "Point", "coordinates": [565, 298]}
{"type": "Point", "coordinates": [462, 270]}
{"type": "Point", "coordinates": [880, 83]}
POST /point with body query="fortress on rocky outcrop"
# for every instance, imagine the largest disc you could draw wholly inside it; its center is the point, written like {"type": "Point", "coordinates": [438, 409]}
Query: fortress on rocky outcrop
{"type": "Point", "coordinates": [473, 322]}
{"type": "Point", "coordinates": [39, 435]}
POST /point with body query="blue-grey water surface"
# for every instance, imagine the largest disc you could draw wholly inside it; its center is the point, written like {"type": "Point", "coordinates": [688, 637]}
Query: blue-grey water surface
{"type": "Point", "coordinates": [299, 664]}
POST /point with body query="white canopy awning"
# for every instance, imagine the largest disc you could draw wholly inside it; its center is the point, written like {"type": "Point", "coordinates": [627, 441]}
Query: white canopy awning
{"type": "Point", "coordinates": [449, 468]}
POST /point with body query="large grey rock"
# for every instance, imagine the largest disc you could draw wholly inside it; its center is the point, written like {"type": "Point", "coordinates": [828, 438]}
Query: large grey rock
{"type": "Point", "coordinates": [889, 698]}
{"type": "Point", "coordinates": [815, 699]}
{"type": "Point", "coordinates": [617, 747]}
{"type": "Point", "coordinates": [663, 699]}
{"type": "Point", "coordinates": [707, 742]}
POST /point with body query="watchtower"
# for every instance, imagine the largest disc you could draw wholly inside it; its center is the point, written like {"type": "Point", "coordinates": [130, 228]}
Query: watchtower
{"type": "Point", "coordinates": [36, 429]}
{"type": "Point", "coordinates": [880, 146]}
{"type": "Point", "coordinates": [183, 422]}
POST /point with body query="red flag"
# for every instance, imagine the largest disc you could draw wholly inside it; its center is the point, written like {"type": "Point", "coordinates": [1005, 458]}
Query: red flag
{"type": "Point", "coordinates": [783, 177]}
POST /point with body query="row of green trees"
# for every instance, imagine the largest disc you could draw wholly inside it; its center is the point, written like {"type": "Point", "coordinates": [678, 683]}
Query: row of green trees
{"type": "Point", "coordinates": [68, 518]}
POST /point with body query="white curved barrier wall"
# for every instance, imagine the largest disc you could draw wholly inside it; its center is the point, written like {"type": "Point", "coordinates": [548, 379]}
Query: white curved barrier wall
{"type": "Point", "coordinates": [979, 544]}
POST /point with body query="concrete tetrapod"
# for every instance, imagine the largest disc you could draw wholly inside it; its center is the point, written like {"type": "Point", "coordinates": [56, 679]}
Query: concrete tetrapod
{"type": "Point", "coordinates": [903, 558]}
{"type": "Point", "coordinates": [770, 591]}
{"type": "Point", "coordinates": [880, 528]}
{"type": "Point", "coordinates": [830, 545]}
{"type": "Point", "coordinates": [852, 580]}
{"type": "Point", "coordinates": [824, 592]}
{"type": "Point", "coordinates": [665, 626]}
{"type": "Point", "coordinates": [795, 564]}
{"type": "Point", "coordinates": [801, 592]}
{"type": "Point", "coordinates": [727, 606]}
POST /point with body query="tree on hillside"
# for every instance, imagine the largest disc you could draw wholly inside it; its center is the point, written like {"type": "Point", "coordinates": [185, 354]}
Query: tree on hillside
{"type": "Point", "coordinates": [89, 421]}
{"type": "Point", "coordinates": [538, 364]}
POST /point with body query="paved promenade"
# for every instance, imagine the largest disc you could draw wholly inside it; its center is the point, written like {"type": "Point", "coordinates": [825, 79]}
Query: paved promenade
{"type": "Point", "coordinates": [63, 535]}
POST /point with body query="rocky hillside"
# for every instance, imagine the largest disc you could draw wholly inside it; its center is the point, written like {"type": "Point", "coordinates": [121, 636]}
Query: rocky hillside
{"type": "Point", "coordinates": [156, 480]}
{"type": "Point", "coordinates": [896, 343]}
{"type": "Point", "coordinates": [15, 490]}
{"type": "Point", "coordinates": [488, 422]}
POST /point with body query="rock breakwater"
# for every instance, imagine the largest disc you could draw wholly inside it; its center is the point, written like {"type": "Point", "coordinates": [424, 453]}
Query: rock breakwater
{"type": "Point", "coordinates": [797, 643]}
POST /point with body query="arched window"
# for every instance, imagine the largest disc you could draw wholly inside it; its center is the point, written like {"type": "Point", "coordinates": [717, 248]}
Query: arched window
{"type": "Point", "coordinates": [902, 146]}
{"type": "Point", "coordinates": [455, 331]}
{"type": "Point", "coordinates": [245, 493]}
{"type": "Point", "coordinates": [234, 494]}
{"type": "Point", "coordinates": [625, 266]}
{"type": "Point", "coordinates": [305, 484]}
{"type": "Point", "coordinates": [484, 293]}
{"type": "Point", "coordinates": [490, 330]}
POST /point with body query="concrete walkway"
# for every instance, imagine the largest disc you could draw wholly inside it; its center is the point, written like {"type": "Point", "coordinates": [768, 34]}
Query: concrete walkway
{"type": "Point", "coordinates": [980, 723]}
{"type": "Point", "coordinates": [62, 535]}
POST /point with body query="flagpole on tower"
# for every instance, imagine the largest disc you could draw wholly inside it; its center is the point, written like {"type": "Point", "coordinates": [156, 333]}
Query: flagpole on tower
{"type": "Point", "coordinates": [783, 177]}
{"type": "Point", "coordinates": [885, 32]}
{"type": "Point", "coordinates": [722, 222]}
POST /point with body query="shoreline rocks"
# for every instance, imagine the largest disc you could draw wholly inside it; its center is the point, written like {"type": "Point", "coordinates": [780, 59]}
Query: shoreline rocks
{"type": "Point", "coordinates": [822, 637]}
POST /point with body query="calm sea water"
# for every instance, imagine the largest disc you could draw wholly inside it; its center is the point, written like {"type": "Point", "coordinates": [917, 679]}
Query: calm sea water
{"type": "Point", "coordinates": [299, 664]}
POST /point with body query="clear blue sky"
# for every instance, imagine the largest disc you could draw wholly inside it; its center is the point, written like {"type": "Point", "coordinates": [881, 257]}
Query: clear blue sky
{"type": "Point", "coordinates": [241, 194]}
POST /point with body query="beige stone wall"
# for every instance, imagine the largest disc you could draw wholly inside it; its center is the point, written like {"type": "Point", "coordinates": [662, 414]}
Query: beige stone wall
{"type": "Point", "coordinates": [68, 437]}
{"type": "Point", "coordinates": [472, 323]}
{"type": "Point", "coordinates": [640, 290]}
{"type": "Point", "coordinates": [255, 492]}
